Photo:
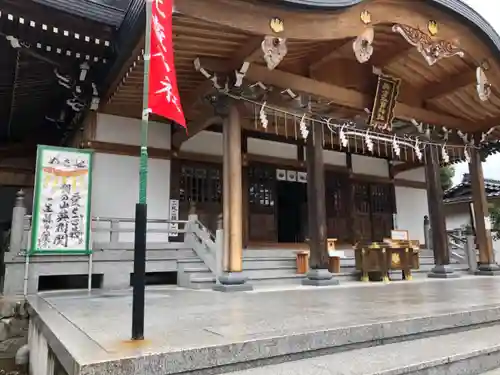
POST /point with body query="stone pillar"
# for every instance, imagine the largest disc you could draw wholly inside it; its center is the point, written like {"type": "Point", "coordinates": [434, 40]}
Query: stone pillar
{"type": "Point", "coordinates": [439, 238]}
{"type": "Point", "coordinates": [233, 279]}
{"type": "Point", "coordinates": [17, 225]}
{"type": "Point", "coordinates": [487, 264]}
{"type": "Point", "coordinates": [318, 274]}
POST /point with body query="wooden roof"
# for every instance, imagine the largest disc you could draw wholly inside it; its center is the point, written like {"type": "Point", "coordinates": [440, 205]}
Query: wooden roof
{"type": "Point", "coordinates": [54, 39]}
{"type": "Point", "coordinates": [320, 60]}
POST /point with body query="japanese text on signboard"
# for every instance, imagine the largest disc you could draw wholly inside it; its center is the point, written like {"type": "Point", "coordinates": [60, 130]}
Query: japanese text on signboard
{"type": "Point", "coordinates": [385, 101]}
{"type": "Point", "coordinates": [61, 210]}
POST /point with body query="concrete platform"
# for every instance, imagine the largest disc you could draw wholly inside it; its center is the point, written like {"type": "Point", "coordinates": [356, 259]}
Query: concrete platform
{"type": "Point", "coordinates": [211, 333]}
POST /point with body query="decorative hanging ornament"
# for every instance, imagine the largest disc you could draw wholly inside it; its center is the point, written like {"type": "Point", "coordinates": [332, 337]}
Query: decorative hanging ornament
{"type": "Point", "coordinates": [444, 154]}
{"type": "Point", "coordinates": [276, 25]}
{"type": "Point", "coordinates": [362, 45]}
{"type": "Point", "coordinates": [395, 147]}
{"type": "Point", "coordinates": [368, 142]}
{"type": "Point", "coordinates": [263, 116]}
{"type": "Point", "coordinates": [432, 27]}
{"type": "Point", "coordinates": [483, 86]}
{"type": "Point", "coordinates": [303, 127]}
{"type": "Point", "coordinates": [466, 155]}
{"type": "Point", "coordinates": [274, 49]}
{"type": "Point", "coordinates": [416, 148]}
{"type": "Point", "coordinates": [343, 139]}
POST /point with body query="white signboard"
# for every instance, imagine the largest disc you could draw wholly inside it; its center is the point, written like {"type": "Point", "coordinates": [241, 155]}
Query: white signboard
{"type": "Point", "coordinates": [61, 208]}
{"type": "Point", "coordinates": [174, 215]}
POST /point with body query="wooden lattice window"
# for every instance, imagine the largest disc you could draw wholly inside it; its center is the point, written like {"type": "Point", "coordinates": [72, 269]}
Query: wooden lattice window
{"type": "Point", "coordinates": [335, 194]}
{"type": "Point", "coordinates": [200, 184]}
{"type": "Point", "coordinates": [381, 198]}
{"type": "Point", "coordinates": [362, 198]}
{"type": "Point", "coordinates": [261, 187]}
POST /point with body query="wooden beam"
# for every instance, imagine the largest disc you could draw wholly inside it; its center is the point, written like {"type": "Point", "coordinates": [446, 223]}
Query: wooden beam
{"type": "Point", "coordinates": [340, 95]}
{"type": "Point", "coordinates": [201, 123]}
{"type": "Point", "coordinates": [331, 51]}
{"type": "Point", "coordinates": [451, 84]}
{"type": "Point", "coordinates": [250, 52]}
{"type": "Point", "coordinates": [404, 167]}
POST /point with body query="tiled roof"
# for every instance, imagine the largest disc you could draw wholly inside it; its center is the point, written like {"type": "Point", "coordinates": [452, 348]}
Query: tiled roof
{"type": "Point", "coordinates": [462, 191]}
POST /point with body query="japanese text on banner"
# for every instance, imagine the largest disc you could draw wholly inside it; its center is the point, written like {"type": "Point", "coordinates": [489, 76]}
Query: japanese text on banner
{"type": "Point", "coordinates": [163, 95]}
{"type": "Point", "coordinates": [61, 212]}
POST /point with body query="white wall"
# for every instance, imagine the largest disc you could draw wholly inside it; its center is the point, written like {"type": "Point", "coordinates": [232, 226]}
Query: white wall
{"type": "Point", "coordinates": [115, 178]}
{"type": "Point", "coordinates": [370, 166]}
{"type": "Point", "coordinates": [411, 205]}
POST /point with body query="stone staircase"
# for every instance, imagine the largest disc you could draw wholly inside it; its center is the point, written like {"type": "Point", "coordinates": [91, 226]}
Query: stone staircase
{"type": "Point", "coordinates": [277, 267]}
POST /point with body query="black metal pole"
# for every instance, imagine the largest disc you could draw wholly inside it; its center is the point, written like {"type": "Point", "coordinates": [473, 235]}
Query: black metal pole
{"type": "Point", "coordinates": [139, 279]}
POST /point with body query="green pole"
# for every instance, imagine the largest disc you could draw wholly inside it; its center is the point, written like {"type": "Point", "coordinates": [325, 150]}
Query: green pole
{"type": "Point", "coordinates": [139, 284]}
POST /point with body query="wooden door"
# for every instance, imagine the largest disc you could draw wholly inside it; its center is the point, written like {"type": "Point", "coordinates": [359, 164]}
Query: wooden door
{"type": "Point", "coordinates": [262, 204]}
{"type": "Point", "coordinates": [362, 217]}
{"type": "Point", "coordinates": [201, 184]}
{"type": "Point", "coordinates": [381, 207]}
{"type": "Point", "coordinates": [337, 210]}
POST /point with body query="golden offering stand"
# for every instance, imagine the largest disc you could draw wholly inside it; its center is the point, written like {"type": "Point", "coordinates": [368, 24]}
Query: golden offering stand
{"type": "Point", "coordinates": [389, 255]}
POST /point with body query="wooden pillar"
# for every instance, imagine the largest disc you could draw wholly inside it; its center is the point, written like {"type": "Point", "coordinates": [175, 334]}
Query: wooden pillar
{"type": "Point", "coordinates": [225, 192]}
{"type": "Point", "coordinates": [436, 215]}
{"type": "Point", "coordinates": [319, 274]}
{"type": "Point", "coordinates": [487, 264]}
{"type": "Point", "coordinates": [232, 279]}
{"type": "Point", "coordinates": [235, 192]}
{"type": "Point", "coordinates": [350, 193]}
{"type": "Point", "coordinates": [245, 193]}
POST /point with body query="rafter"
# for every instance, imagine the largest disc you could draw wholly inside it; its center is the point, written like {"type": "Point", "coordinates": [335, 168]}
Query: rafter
{"type": "Point", "coordinates": [329, 52]}
{"type": "Point", "coordinates": [451, 84]}
{"type": "Point", "coordinates": [405, 167]}
{"type": "Point", "coordinates": [200, 123]}
{"type": "Point", "coordinates": [251, 51]}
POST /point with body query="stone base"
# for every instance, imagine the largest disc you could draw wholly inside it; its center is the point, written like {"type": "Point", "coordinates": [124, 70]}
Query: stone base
{"type": "Point", "coordinates": [320, 277]}
{"type": "Point", "coordinates": [488, 270]}
{"type": "Point", "coordinates": [443, 272]}
{"type": "Point", "coordinates": [232, 282]}
{"type": "Point", "coordinates": [232, 288]}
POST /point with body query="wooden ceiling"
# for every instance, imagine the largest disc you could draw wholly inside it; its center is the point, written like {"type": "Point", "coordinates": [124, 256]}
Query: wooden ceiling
{"type": "Point", "coordinates": [33, 103]}
{"type": "Point", "coordinates": [320, 62]}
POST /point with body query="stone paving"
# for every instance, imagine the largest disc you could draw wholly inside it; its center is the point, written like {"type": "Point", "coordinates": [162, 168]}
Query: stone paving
{"type": "Point", "coordinates": [178, 319]}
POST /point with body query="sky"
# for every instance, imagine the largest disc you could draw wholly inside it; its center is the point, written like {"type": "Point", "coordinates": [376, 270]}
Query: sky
{"type": "Point", "coordinates": [489, 10]}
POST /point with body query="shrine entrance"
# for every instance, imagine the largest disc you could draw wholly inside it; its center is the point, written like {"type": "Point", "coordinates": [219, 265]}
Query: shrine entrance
{"type": "Point", "coordinates": [291, 211]}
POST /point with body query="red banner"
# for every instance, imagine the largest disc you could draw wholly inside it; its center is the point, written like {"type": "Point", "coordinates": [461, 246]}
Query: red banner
{"type": "Point", "coordinates": [163, 93]}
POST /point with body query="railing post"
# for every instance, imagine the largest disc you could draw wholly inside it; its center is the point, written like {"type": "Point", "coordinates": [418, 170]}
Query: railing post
{"type": "Point", "coordinates": [17, 224]}
{"type": "Point", "coordinates": [219, 249]}
{"type": "Point", "coordinates": [192, 216]}
{"type": "Point", "coordinates": [427, 234]}
{"type": "Point", "coordinates": [115, 233]}
{"type": "Point", "coordinates": [470, 253]}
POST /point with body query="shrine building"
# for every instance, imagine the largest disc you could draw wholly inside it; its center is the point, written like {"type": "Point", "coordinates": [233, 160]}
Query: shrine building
{"type": "Point", "coordinates": [312, 120]}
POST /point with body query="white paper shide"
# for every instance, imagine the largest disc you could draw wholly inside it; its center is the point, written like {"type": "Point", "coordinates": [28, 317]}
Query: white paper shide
{"type": "Point", "coordinates": [63, 199]}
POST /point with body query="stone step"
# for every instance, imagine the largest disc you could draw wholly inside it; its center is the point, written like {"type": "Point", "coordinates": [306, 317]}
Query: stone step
{"type": "Point", "coordinates": [465, 353]}
{"type": "Point", "coordinates": [464, 341]}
